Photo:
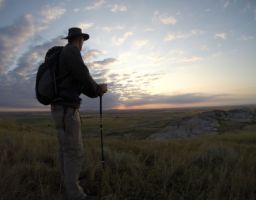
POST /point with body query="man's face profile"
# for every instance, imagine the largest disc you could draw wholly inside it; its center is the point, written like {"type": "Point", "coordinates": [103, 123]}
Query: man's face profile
{"type": "Point", "coordinates": [81, 42]}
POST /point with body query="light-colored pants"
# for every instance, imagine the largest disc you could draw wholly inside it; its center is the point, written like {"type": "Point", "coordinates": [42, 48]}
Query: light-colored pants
{"type": "Point", "coordinates": [68, 125]}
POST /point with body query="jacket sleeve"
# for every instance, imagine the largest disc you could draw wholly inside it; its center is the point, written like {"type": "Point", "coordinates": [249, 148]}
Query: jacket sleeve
{"type": "Point", "coordinates": [80, 72]}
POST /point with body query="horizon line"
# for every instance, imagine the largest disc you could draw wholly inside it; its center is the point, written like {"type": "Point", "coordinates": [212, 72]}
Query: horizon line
{"type": "Point", "coordinates": [45, 110]}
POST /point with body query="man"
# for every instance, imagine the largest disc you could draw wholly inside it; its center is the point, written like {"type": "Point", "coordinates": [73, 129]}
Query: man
{"type": "Point", "coordinates": [65, 111]}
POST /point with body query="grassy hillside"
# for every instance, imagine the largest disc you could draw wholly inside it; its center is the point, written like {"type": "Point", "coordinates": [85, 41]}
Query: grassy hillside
{"type": "Point", "coordinates": [209, 167]}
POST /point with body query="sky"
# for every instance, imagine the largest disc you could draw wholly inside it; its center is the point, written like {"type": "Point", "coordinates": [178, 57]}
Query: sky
{"type": "Point", "coordinates": [151, 53]}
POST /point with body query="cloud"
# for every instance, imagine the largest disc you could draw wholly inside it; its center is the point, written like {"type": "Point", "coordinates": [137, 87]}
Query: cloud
{"type": "Point", "coordinates": [187, 98]}
{"type": "Point", "coordinates": [165, 18]}
{"type": "Point", "coordinates": [51, 13]}
{"type": "Point", "coordinates": [226, 4]}
{"type": "Point", "coordinates": [140, 43]}
{"type": "Point", "coordinates": [222, 36]}
{"type": "Point", "coordinates": [174, 36]}
{"type": "Point", "coordinates": [86, 25]}
{"type": "Point", "coordinates": [149, 30]}
{"type": "Point", "coordinates": [130, 85]}
{"type": "Point", "coordinates": [157, 58]}
{"type": "Point", "coordinates": [76, 9]}
{"type": "Point", "coordinates": [103, 62]}
{"type": "Point", "coordinates": [28, 63]}
{"type": "Point", "coordinates": [18, 92]}
{"type": "Point", "coordinates": [118, 8]}
{"type": "Point", "coordinates": [192, 59]}
{"type": "Point", "coordinates": [12, 37]}
{"type": "Point", "coordinates": [1, 3]}
{"type": "Point", "coordinates": [120, 40]}
{"type": "Point", "coordinates": [96, 5]}
{"type": "Point", "coordinates": [204, 48]}
{"type": "Point", "coordinates": [91, 54]}
{"type": "Point", "coordinates": [172, 57]}
{"type": "Point", "coordinates": [189, 59]}
{"type": "Point", "coordinates": [247, 37]}
{"type": "Point", "coordinates": [170, 37]}
{"type": "Point", "coordinates": [100, 68]}
{"type": "Point", "coordinates": [246, 8]}
{"type": "Point", "coordinates": [111, 28]}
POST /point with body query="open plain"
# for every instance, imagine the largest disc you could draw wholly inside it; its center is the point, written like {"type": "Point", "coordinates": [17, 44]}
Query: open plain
{"type": "Point", "coordinates": [219, 165]}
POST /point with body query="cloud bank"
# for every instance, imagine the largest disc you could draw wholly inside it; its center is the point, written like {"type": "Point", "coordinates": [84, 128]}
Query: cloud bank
{"type": "Point", "coordinates": [12, 37]}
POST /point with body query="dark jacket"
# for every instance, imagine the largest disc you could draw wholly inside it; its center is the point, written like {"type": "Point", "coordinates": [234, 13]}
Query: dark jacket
{"type": "Point", "coordinates": [74, 78]}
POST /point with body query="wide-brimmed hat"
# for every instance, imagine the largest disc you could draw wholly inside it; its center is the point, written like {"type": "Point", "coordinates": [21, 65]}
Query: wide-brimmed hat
{"type": "Point", "coordinates": [75, 32]}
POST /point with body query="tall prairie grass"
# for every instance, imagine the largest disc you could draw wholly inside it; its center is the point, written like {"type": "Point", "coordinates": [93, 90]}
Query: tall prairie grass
{"type": "Point", "coordinates": [202, 168]}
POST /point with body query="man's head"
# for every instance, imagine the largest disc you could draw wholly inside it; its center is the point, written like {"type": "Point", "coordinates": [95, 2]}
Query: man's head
{"type": "Point", "coordinates": [76, 37]}
{"type": "Point", "coordinates": [77, 41]}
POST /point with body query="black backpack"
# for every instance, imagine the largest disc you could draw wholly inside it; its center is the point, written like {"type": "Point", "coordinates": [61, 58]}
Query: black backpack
{"type": "Point", "coordinates": [46, 78]}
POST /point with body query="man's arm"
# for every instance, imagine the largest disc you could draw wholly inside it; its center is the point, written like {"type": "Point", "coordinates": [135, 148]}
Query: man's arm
{"type": "Point", "coordinates": [80, 72]}
{"type": "Point", "coordinates": [91, 90]}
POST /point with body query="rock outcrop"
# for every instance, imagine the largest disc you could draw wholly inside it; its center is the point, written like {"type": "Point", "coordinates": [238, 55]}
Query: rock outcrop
{"type": "Point", "coordinates": [204, 123]}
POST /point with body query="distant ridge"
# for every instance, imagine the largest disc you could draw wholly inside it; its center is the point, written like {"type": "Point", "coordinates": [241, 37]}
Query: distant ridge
{"type": "Point", "coordinates": [209, 122]}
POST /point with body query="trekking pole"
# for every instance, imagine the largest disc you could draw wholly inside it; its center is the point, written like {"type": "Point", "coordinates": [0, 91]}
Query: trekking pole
{"type": "Point", "coordinates": [101, 135]}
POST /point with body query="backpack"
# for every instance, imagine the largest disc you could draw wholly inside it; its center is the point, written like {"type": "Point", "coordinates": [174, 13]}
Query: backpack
{"type": "Point", "coordinates": [46, 77]}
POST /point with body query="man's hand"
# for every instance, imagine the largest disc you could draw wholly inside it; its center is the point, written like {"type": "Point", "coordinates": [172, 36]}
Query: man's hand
{"type": "Point", "coordinates": [103, 88]}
